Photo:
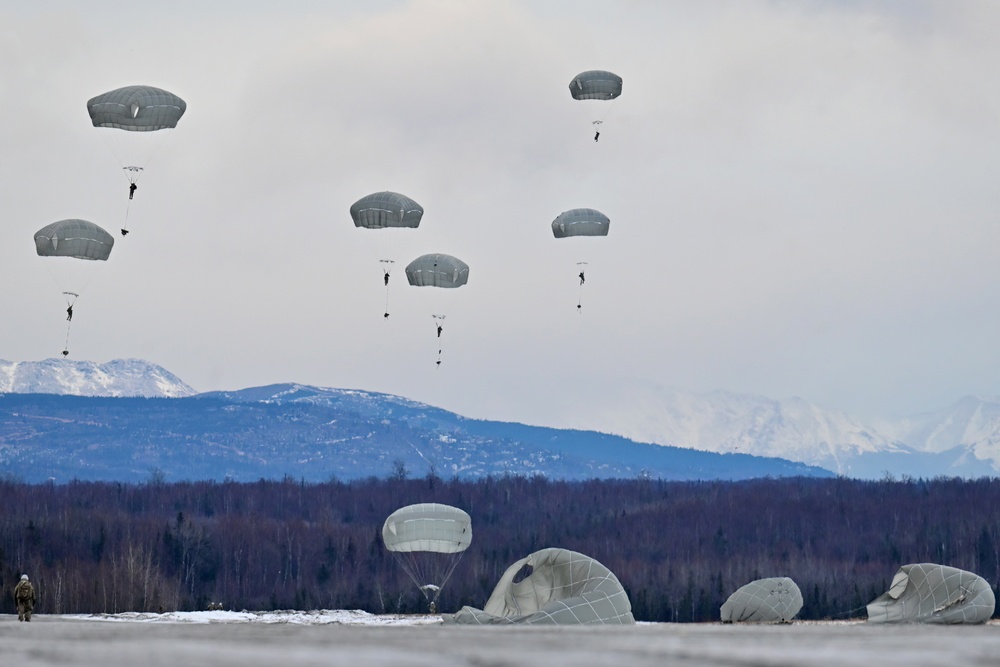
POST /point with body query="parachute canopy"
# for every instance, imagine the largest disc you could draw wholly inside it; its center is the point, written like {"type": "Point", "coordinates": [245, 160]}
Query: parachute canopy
{"type": "Point", "coordinates": [428, 540]}
{"type": "Point", "coordinates": [74, 238]}
{"type": "Point", "coordinates": [595, 85]}
{"type": "Point", "coordinates": [381, 210]}
{"type": "Point", "coordinates": [932, 593]}
{"type": "Point", "coordinates": [775, 600]}
{"type": "Point", "coordinates": [580, 222]}
{"type": "Point", "coordinates": [427, 527]}
{"type": "Point", "coordinates": [136, 109]}
{"type": "Point", "coordinates": [436, 270]}
{"type": "Point", "coordinates": [554, 587]}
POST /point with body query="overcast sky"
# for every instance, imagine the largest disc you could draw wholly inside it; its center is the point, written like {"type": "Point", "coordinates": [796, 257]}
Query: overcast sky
{"type": "Point", "coordinates": [803, 197]}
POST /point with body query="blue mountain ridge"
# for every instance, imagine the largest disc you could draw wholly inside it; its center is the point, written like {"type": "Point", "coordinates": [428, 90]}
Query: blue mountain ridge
{"type": "Point", "coordinates": [317, 434]}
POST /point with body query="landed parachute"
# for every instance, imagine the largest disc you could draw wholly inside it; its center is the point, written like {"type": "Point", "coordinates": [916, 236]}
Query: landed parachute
{"type": "Point", "coordinates": [72, 239]}
{"type": "Point", "coordinates": [932, 593]}
{"type": "Point", "coordinates": [428, 540]}
{"type": "Point", "coordinates": [135, 116]}
{"type": "Point", "coordinates": [580, 222]}
{"type": "Point", "coordinates": [596, 85]}
{"type": "Point", "coordinates": [553, 587]}
{"type": "Point", "coordinates": [386, 210]}
{"type": "Point", "coordinates": [437, 270]}
{"type": "Point", "coordinates": [771, 600]}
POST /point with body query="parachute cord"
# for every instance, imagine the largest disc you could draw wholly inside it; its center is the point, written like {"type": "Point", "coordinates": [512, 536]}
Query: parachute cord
{"type": "Point", "coordinates": [69, 324]}
{"type": "Point", "coordinates": [845, 614]}
{"type": "Point", "coordinates": [70, 302]}
{"type": "Point", "coordinates": [438, 320]}
{"type": "Point", "coordinates": [579, 300]}
{"type": "Point", "coordinates": [385, 277]}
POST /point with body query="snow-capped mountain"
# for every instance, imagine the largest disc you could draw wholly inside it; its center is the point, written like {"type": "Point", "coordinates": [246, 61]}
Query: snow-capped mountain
{"type": "Point", "coordinates": [972, 423]}
{"type": "Point", "coordinates": [961, 441]}
{"type": "Point", "coordinates": [121, 377]}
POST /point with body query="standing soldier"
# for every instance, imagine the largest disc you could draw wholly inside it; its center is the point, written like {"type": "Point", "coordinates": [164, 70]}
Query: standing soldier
{"type": "Point", "coordinates": [24, 596]}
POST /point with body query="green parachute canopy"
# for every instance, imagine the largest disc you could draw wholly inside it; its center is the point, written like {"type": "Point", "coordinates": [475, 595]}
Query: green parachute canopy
{"type": "Point", "coordinates": [932, 593]}
{"type": "Point", "coordinates": [595, 85]}
{"type": "Point", "coordinates": [382, 210]}
{"type": "Point", "coordinates": [553, 587]}
{"type": "Point", "coordinates": [580, 222]}
{"type": "Point", "coordinates": [437, 270]}
{"type": "Point", "coordinates": [136, 109]}
{"type": "Point", "coordinates": [770, 600]}
{"type": "Point", "coordinates": [75, 238]}
{"type": "Point", "coordinates": [428, 540]}
{"type": "Point", "coordinates": [135, 116]}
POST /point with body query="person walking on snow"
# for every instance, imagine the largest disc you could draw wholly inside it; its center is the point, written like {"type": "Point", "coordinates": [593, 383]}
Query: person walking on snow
{"type": "Point", "coordinates": [24, 597]}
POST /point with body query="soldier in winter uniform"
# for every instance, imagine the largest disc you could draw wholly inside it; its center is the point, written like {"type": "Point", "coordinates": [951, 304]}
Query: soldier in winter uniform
{"type": "Point", "coordinates": [24, 596]}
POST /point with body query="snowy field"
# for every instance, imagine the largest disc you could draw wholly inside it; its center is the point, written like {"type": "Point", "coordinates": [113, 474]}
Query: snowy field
{"type": "Point", "coordinates": [357, 638]}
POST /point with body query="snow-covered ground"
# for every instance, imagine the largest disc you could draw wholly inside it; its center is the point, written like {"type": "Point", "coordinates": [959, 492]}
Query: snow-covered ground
{"type": "Point", "coordinates": [329, 638]}
{"type": "Point", "coordinates": [318, 617]}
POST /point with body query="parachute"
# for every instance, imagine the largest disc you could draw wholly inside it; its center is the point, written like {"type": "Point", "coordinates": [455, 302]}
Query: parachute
{"type": "Point", "coordinates": [77, 239]}
{"type": "Point", "coordinates": [135, 115]}
{"type": "Point", "coordinates": [580, 222]}
{"type": "Point", "coordinates": [774, 600]}
{"type": "Point", "coordinates": [932, 593]}
{"type": "Point", "coordinates": [428, 540]}
{"type": "Point", "coordinates": [386, 210]}
{"type": "Point", "coordinates": [553, 587]}
{"type": "Point", "coordinates": [596, 85]}
{"type": "Point", "coordinates": [383, 210]}
{"type": "Point", "coordinates": [437, 270]}
{"type": "Point", "coordinates": [72, 239]}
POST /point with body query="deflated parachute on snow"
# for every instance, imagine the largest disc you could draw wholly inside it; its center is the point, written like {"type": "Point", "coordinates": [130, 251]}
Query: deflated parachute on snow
{"type": "Point", "coordinates": [770, 600]}
{"type": "Point", "coordinates": [932, 593]}
{"type": "Point", "coordinates": [553, 587]}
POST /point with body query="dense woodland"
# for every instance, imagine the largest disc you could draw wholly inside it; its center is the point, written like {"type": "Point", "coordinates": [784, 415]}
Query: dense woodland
{"type": "Point", "coordinates": [679, 548]}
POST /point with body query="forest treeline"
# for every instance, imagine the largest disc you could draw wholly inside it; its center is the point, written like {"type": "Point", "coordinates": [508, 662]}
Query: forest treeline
{"type": "Point", "coordinates": [679, 548]}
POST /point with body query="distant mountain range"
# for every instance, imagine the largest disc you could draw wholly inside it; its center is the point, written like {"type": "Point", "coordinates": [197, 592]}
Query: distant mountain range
{"type": "Point", "coordinates": [121, 377]}
{"type": "Point", "coordinates": [960, 441]}
{"type": "Point", "coordinates": [127, 430]}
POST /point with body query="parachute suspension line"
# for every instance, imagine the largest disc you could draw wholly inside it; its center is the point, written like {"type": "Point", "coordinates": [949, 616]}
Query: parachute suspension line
{"type": "Point", "coordinates": [71, 298]}
{"type": "Point", "coordinates": [439, 325]}
{"type": "Point", "coordinates": [428, 579]}
{"type": "Point", "coordinates": [386, 270]}
{"type": "Point", "coordinates": [128, 207]}
{"type": "Point", "coordinates": [850, 613]}
{"type": "Point", "coordinates": [65, 351]}
{"type": "Point", "coordinates": [597, 120]}
{"type": "Point", "coordinates": [132, 173]}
